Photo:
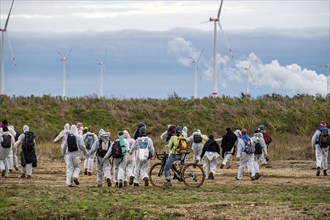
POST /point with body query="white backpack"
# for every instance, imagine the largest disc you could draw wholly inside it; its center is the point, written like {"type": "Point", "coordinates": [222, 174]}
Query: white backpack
{"type": "Point", "coordinates": [143, 149]}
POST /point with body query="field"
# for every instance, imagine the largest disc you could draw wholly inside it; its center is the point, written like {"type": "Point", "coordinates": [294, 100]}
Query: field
{"type": "Point", "coordinates": [287, 190]}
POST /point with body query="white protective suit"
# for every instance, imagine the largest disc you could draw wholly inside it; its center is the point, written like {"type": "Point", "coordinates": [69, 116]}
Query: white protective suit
{"type": "Point", "coordinates": [72, 159]}
{"type": "Point", "coordinates": [88, 162]}
{"type": "Point", "coordinates": [5, 154]}
{"type": "Point", "coordinates": [245, 159]}
{"type": "Point", "coordinates": [197, 147]}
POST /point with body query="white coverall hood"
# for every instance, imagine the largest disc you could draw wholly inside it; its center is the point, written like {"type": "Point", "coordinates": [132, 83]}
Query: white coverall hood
{"type": "Point", "coordinates": [25, 128]}
{"type": "Point", "coordinates": [74, 129]}
{"type": "Point", "coordinates": [126, 134]}
{"type": "Point", "coordinates": [104, 136]}
{"type": "Point", "coordinates": [67, 127]}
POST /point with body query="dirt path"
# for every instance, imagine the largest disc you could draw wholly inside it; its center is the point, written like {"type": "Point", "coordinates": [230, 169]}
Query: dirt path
{"type": "Point", "coordinates": [52, 174]}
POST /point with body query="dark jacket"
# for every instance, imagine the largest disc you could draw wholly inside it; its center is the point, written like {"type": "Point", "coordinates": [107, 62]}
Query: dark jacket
{"type": "Point", "coordinates": [228, 141]}
{"type": "Point", "coordinates": [210, 145]}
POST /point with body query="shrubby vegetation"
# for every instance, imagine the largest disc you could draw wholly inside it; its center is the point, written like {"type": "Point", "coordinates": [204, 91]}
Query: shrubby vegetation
{"type": "Point", "coordinates": [282, 115]}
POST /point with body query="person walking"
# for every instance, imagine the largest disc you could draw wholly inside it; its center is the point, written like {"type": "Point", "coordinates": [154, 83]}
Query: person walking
{"type": "Point", "coordinates": [210, 155]}
{"type": "Point", "coordinates": [101, 147]}
{"type": "Point", "coordinates": [227, 146]}
{"type": "Point", "coordinates": [11, 158]}
{"type": "Point", "coordinates": [72, 148]}
{"type": "Point", "coordinates": [118, 151]}
{"type": "Point", "coordinates": [145, 151]}
{"type": "Point", "coordinates": [62, 135]}
{"type": "Point", "coordinates": [245, 153]}
{"type": "Point", "coordinates": [7, 142]}
{"type": "Point", "coordinates": [320, 144]}
{"type": "Point", "coordinates": [268, 139]}
{"type": "Point", "coordinates": [260, 149]}
{"type": "Point", "coordinates": [197, 145]}
{"type": "Point", "coordinates": [28, 154]}
{"type": "Point", "coordinates": [130, 163]}
{"type": "Point", "coordinates": [89, 138]}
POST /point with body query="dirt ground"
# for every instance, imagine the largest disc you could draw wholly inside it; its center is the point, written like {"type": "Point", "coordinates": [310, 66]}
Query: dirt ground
{"type": "Point", "coordinates": [281, 173]}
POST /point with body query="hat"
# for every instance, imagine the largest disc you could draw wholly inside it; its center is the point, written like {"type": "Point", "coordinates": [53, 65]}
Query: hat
{"type": "Point", "coordinates": [261, 127]}
{"type": "Point", "coordinates": [323, 124]}
{"type": "Point", "coordinates": [5, 128]}
{"type": "Point", "coordinates": [178, 129]}
{"type": "Point", "coordinates": [4, 121]}
{"type": "Point", "coordinates": [244, 132]}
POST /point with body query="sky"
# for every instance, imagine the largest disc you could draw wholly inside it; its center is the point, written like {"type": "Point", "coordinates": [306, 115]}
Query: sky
{"type": "Point", "coordinates": [149, 46]}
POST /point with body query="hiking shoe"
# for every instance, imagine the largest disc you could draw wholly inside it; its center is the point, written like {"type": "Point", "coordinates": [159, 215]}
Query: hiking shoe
{"type": "Point", "coordinates": [228, 167]}
{"type": "Point", "coordinates": [116, 184]}
{"type": "Point", "coordinates": [75, 180]}
{"type": "Point", "coordinates": [108, 182]}
{"type": "Point", "coordinates": [167, 184]}
{"type": "Point", "coordinates": [131, 179]}
{"type": "Point", "coordinates": [120, 185]}
{"type": "Point", "coordinates": [23, 175]}
{"type": "Point", "coordinates": [70, 185]}
{"type": "Point", "coordinates": [136, 184]}
{"type": "Point", "coordinates": [211, 176]}
{"type": "Point", "coordinates": [125, 183]}
{"type": "Point", "coordinates": [28, 177]}
{"type": "Point", "coordinates": [237, 178]}
{"type": "Point", "coordinates": [257, 176]}
{"type": "Point", "coordinates": [253, 178]}
{"type": "Point", "coordinates": [221, 166]}
{"type": "Point", "coordinates": [99, 185]}
{"type": "Point", "coordinates": [10, 170]}
{"type": "Point", "coordinates": [89, 173]}
{"type": "Point", "coordinates": [146, 181]}
{"type": "Point", "coordinates": [16, 168]}
{"type": "Point", "coordinates": [318, 171]}
{"type": "Point", "coordinates": [85, 172]}
{"type": "Point", "coordinates": [3, 173]}
{"type": "Point", "coordinates": [325, 173]}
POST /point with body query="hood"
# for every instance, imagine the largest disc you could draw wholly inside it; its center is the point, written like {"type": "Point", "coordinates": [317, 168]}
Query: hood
{"type": "Point", "coordinates": [258, 135]}
{"type": "Point", "coordinates": [104, 136]}
{"type": "Point", "coordinates": [126, 135]}
{"type": "Point", "coordinates": [74, 129]}
{"type": "Point", "coordinates": [26, 128]}
{"type": "Point", "coordinates": [67, 126]}
{"type": "Point", "coordinates": [197, 132]}
{"type": "Point", "coordinates": [185, 129]}
{"type": "Point", "coordinates": [100, 131]}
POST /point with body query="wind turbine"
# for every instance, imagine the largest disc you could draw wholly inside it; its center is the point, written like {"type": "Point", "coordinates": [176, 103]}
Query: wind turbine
{"type": "Point", "coordinates": [249, 76]}
{"type": "Point", "coordinates": [215, 64]}
{"type": "Point", "coordinates": [3, 33]}
{"type": "Point", "coordinates": [101, 63]}
{"type": "Point", "coordinates": [195, 62]}
{"type": "Point", "coordinates": [328, 79]}
{"type": "Point", "coordinates": [64, 59]}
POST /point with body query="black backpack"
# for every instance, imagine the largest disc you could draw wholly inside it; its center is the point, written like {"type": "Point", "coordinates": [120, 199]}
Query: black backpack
{"type": "Point", "coordinates": [324, 138]}
{"type": "Point", "coordinates": [197, 138]}
{"type": "Point", "coordinates": [72, 143]}
{"type": "Point", "coordinates": [89, 140]}
{"type": "Point", "coordinates": [249, 148]}
{"type": "Point", "coordinates": [6, 142]}
{"type": "Point", "coordinates": [29, 142]}
{"type": "Point", "coordinates": [257, 147]}
{"type": "Point", "coordinates": [116, 150]}
{"type": "Point", "coordinates": [100, 152]}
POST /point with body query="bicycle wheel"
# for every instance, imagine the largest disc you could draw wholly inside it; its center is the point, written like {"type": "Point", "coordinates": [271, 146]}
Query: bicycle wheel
{"type": "Point", "coordinates": [193, 175]}
{"type": "Point", "coordinates": [156, 175]}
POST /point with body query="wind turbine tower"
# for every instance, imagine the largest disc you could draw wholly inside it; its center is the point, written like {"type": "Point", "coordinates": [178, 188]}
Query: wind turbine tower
{"type": "Point", "coordinates": [101, 63]}
{"type": "Point", "coordinates": [215, 64]}
{"type": "Point", "coordinates": [195, 62]}
{"type": "Point", "coordinates": [64, 60]}
{"type": "Point", "coordinates": [249, 76]}
{"type": "Point", "coordinates": [3, 33]}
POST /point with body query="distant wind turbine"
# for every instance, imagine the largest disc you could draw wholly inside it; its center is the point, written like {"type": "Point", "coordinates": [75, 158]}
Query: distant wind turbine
{"type": "Point", "coordinates": [195, 62]}
{"type": "Point", "coordinates": [215, 73]}
{"type": "Point", "coordinates": [64, 59]}
{"type": "Point", "coordinates": [3, 33]}
{"type": "Point", "coordinates": [249, 76]}
{"type": "Point", "coordinates": [101, 63]}
{"type": "Point", "coordinates": [328, 79]}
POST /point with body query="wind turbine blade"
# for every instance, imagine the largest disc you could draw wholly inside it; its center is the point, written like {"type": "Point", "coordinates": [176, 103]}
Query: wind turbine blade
{"type": "Point", "coordinates": [59, 53]}
{"type": "Point", "coordinates": [251, 75]}
{"type": "Point", "coordinates": [6, 24]}
{"type": "Point", "coordinates": [220, 9]}
{"type": "Point", "coordinates": [67, 56]}
{"type": "Point", "coordinates": [205, 22]}
{"type": "Point", "coordinates": [224, 36]}
{"type": "Point", "coordinates": [11, 49]}
{"type": "Point", "coordinates": [200, 55]}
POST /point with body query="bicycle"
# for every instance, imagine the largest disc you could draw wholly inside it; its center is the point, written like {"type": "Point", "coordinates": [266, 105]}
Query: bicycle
{"type": "Point", "coordinates": [191, 174]}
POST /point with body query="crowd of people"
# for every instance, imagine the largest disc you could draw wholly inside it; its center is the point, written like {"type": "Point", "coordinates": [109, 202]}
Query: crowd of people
{"type": "Point", "coordinates": [130, 157]}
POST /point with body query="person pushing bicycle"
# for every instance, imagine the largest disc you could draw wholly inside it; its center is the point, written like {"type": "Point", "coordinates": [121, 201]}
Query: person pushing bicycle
{"type": "Point", "coordinates": [177, 149]}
